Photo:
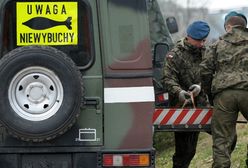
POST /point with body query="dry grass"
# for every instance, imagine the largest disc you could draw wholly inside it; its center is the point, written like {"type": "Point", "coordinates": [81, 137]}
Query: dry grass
{"type": "Point", "coordinates": [203, 157]}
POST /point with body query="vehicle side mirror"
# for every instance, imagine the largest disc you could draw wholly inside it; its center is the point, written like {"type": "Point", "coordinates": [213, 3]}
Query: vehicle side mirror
{"type": "Point", "coordinates": [172, 24]}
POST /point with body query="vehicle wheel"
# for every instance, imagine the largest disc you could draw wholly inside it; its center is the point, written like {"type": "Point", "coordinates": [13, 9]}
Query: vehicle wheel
{"type": "Point", "coordinates": [41, 93]}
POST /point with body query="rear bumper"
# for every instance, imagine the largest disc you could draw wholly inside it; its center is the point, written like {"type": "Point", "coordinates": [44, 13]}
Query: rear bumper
{"type": "Point", "coordinates": [61, 157]}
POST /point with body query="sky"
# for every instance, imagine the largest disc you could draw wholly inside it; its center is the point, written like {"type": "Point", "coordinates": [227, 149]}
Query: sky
{"type": "Point", "coordinates": [216, 4]}
{"type": "Point", "coordinates": [227, 4]}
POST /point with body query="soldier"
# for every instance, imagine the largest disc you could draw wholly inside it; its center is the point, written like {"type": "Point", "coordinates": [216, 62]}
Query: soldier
{"type": "Point", "coordinates": [181, 74]}
{"type": "Point", "coordinates": [224, 71]}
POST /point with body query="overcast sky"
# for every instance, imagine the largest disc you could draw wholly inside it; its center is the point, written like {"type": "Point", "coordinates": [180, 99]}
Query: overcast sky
{"type": "Point", "coordinates": [216, 4]}
{"type": "Point", "coordinates": [227, 4]}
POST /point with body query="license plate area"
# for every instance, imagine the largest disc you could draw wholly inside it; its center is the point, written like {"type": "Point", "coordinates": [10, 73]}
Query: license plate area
{"type": "Point", "coordinates": [46, 160]}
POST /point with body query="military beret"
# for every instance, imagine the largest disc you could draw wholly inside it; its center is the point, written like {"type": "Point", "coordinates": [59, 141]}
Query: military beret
{"type": "Point", "coordinates": [234, 13]}
{"type": "Point", "coordinates": [198, 30]}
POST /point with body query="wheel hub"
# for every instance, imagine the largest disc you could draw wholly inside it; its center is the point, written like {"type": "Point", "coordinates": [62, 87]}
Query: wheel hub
{"type": "Point", "coordinates": [36, 93]}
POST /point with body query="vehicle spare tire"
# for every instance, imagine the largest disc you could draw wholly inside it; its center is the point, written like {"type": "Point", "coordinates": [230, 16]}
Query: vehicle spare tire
{"type": "Point", "coordinates": [41, 92]}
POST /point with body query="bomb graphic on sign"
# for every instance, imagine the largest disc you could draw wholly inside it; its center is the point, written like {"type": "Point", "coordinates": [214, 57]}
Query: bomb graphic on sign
{"type": "Point", "coordinates": [41, 23]}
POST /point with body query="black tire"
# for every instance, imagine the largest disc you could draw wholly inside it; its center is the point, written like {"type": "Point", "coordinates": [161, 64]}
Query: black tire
{"type": "Point", "coordinates": [41, 92]}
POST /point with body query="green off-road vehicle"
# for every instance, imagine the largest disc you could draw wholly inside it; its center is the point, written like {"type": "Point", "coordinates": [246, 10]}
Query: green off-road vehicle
{"type": "Point", "coordinates": [76, 82]}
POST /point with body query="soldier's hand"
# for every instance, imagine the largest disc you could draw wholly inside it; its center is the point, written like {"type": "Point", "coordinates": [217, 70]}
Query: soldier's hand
{"type": "Point", "coordinates": [195, 89]}
{"type": "Point", "coordinates": [183, 95]}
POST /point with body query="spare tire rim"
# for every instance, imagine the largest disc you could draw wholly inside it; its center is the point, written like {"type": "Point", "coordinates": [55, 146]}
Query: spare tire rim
{"type": "Point", "coordinates": [35, 93]}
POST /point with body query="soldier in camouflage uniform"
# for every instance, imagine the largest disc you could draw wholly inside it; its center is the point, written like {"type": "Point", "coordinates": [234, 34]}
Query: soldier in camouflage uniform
{"type": "Point", "coordinates": [225, 70]}
{"type": "Point", "coordinates": [181, 74]}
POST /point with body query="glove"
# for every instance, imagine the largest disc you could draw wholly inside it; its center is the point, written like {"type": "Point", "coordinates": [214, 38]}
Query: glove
{"type": "Point", "coordinates": [195, 89]}
{"type": "Point", "coordinates": [183, 95]}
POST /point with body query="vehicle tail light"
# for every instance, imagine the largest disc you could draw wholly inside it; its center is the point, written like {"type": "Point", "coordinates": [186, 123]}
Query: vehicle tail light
{"type": "Point", "coordinates": [163, 97]}
{"type": "Point", "coordinates": [115, 160]}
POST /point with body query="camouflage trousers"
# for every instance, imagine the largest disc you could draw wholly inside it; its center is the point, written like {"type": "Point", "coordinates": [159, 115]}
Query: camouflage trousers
{"type": "Point", "coordinates": [227, 105]}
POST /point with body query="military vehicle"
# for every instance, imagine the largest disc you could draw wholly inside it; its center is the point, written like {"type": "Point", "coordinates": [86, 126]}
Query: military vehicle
{"type": "Point", "coordinates": [79, 82]}
{"type": "Point", "coordinates": [76, 86]}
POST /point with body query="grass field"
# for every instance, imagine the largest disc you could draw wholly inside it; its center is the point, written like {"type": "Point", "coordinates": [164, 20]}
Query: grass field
{"type": "Point", "coordinates": [203, 157]}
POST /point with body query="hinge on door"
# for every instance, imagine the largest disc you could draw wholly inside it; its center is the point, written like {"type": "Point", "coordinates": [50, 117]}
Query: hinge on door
{"type": "Point", "coordinates": [93, 102]}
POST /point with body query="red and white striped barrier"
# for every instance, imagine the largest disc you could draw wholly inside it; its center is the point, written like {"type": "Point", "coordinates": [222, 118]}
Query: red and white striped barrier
{"type": "Point", "coordinates": [177, 116]}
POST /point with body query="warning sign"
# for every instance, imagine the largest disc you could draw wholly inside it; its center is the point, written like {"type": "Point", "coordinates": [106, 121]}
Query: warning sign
{"type": "Point", "coordinates": [46, 23]}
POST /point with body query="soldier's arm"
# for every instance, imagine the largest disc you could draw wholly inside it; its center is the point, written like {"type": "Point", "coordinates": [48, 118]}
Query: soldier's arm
{"type": "Point", "coordinates": [170, 80]}
{"type": "Point", "coordinates": [207, 68]}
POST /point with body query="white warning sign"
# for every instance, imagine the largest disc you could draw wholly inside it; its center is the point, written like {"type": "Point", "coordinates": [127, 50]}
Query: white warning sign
{"type": "Point", "coordinates": [46, 23]}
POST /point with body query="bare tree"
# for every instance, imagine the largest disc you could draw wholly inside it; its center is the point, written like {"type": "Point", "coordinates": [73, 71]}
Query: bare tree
{"type": "Point", "coordinates": [185, 12]}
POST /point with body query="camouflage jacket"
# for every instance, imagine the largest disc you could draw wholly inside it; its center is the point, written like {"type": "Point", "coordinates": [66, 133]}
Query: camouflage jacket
{"type": "Point", "coordinates": [225, 64]}
{"type": "Point", "coordinates": [181, 69]}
